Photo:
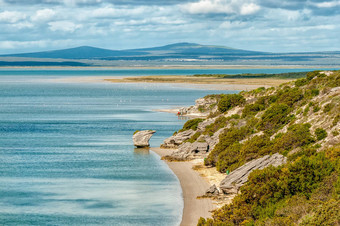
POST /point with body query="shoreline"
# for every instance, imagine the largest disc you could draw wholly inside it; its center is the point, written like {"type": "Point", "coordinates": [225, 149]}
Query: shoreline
{"type": "Point", "coordinates": [183, 81]}
{"type": "Point", "coordinates": [193, 185]}
{"type": "Point", "coordinates": [178, 66]}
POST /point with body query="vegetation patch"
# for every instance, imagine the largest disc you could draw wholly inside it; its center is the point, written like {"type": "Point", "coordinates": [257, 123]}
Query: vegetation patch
{"type": "Point", "coordinates": [191, 124]}
{"type": "Point", "coordinates": [229, 101]}
{"type": "Point", "coordinates": [320, 133]}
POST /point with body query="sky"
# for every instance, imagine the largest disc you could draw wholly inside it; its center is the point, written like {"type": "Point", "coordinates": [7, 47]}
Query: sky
{"type": "Point", "coordinates": [262, 25]}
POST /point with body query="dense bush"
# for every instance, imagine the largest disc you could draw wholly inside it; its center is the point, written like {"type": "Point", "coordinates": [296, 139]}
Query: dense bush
{"type": "Point", "coordinates": [238, 154]}
{"type": "Point", "coordinates": [320, 133]}
{"type": "Point", "coordinates": [274, 117]}
{"type": "Point", "coordinates": [191, 124]}
{"type": "Point", "coordinates": [301, 82]}
{"type": "Point", "coordinates": [269, 189]}
{"type": "Point", "coordinates": [219, 123]}
{"type": "Point", "coordinates": [312, 74]}
{"type": "Point", "coordinates": [289, 96]}
{"type": "Point", "coordinates": [298, 135]}
{"type": "Point", "coordinates": [227, 138]}
{"type": "Point", "coordinates": [328, 107]}
{"type": "Point", "coordinates": [229, 101]}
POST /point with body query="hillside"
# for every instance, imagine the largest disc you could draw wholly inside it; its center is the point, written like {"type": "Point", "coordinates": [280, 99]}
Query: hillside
{"type": "Point", "coordinates": [298, 124]}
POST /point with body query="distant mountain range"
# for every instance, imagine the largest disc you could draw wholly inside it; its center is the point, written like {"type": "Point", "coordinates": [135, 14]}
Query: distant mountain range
{"type": "Point", "coordinates": [178, 50]}
{"type": "Point", "coordinates": [182, 53]}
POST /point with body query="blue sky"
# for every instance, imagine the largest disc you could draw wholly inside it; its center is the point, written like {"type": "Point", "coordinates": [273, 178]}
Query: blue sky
{"type": "Point", "coordinates": [263, 25]}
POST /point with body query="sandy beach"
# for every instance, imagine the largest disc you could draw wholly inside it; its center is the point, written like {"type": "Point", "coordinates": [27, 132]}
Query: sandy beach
{"type": "Point", "coordinates": [193, 185]}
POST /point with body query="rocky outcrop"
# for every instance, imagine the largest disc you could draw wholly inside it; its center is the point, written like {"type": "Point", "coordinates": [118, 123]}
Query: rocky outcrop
{"type": "Point", "coordinates": [232, 183]}
{"type": "Point", "coordinates": [141, 138]}
{"type": "Point", "coordinates": [189, 150]}
{"type": "Point", "coordinates": [202, 107]}
{"type": "Point", "coordinates": [212, 191]}
{"type": "Point", "coordinates": [177, 139]}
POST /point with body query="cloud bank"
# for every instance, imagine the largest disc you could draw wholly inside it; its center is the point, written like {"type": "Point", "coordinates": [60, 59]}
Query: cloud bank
{"type": "Point", "coordinates": [263, 25]}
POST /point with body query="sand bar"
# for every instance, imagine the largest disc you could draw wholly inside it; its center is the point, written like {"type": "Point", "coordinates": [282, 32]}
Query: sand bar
{"type": "Point", "coordinates": [193, 185]}
{"type": "Point", "coordinates": [184, 81]}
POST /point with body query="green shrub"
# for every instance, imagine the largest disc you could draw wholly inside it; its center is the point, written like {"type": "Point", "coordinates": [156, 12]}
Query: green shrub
{"type": "Point", "coordinates": [219, 123]}
{"type": "Point", "coordinates": [320, 133]}
{"type": "Point", "coordinates": [316, 108]}
{"type": "Point", "coordinates": [194, 137]}
{"type": "Point", "coordinates": [328, 107]}
{"type": "Point", "coordinates": [312, 74]}
{"type": "Point", "coordinates": [252, 109]}
{"type": "Point", "coordinates": [298, 135]}
{"type": "Point", "coordinates": [191, 124]}
{"type": "Point", "coordinates": [289, 96]}
{"type": "Point", "coordinates": [326, 214]}
{"type": "Point", "coordinates": [229, 101]}
{"type": "Point", "coordinates": [226, 139]}
{"type": "Point", "coordinates": [274, 117]}
{"type": "Point", "coordinates": [236, 155]}
{"type": "Point", "coordinates": [305, 112]}
{"type": "Point", "coordinates": [336, 120]}
{"type": "Point", "coordinates": [315, 92]}
{"type": "Point", "coordinates": [301, 82]}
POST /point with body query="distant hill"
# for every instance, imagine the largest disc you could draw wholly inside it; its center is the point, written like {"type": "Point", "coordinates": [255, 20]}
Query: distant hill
{"type": "Point", "coordinates": [174, 54]}
{"type": "Point", "coordinates": [178, 50]}
{"type": "Point", "coordinates": [82, 52]}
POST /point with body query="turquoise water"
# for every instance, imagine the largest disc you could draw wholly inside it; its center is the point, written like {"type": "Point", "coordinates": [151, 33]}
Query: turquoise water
{"type": "Point", "coordinates": [142, 72]}
{"type": "Point", "coordinates": [67, 157]}
{"type": "Point", "coordinates": [66, 152]}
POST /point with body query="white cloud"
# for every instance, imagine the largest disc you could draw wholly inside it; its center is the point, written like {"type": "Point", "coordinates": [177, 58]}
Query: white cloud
{"type": "Point", "coordinates": [43, 15]}
{"type": "Point", "coordinates": [64, 26]}
{"type": "Point", "coordinates": [11, 16]}
{"type": "Point", "coordinates": [104, 12]}
{"type": "Point", "coordinates": [208, 6]}
{"type": "Point", "coordinates": [23, 25]}
{"type": "Point", "coordinates": [243, 7]}
{"type": "Point", "coordinates": [249, 8]}
{"type": "Point", "coordinates": [328, 4]}
{"type": "Point", "coordinates": [75, 2]}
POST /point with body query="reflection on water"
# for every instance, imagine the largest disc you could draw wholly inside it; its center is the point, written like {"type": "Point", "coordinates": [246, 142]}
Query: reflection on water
{"type": "Point", "coordinates": [141, 151]}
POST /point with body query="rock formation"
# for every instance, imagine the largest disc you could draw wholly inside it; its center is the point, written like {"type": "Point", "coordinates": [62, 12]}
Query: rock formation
{"type": "Point", "coordinates": [202, 107]}
{"type": "Point", "coordinates": [177, 139]}
{"type": "Point", "coordinates": [141, 138]}
{"type": "Point", "coordinates": [212, 191]}
{"type": "Point", "coordinates": [189, 150]}
{"type": "Point", "coordinates": [231, 183]}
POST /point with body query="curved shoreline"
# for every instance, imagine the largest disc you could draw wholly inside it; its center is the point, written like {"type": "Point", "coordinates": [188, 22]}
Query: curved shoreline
{"type": "Point", "coordinates": [192, 185]}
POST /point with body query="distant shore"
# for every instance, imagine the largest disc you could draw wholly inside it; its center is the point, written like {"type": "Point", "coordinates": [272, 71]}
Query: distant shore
{"type": "Point", "coordinates": [166, 67]}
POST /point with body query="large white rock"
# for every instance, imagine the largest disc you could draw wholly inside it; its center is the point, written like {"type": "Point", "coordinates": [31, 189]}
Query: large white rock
{"type": "Point", "coordinates": [141, 138]}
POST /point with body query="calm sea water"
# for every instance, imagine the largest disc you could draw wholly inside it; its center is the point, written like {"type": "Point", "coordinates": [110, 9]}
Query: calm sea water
{"type": "Point", "coordinates": [66, 151]}
{"type": "Point", "coordinates": [137, 72]}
